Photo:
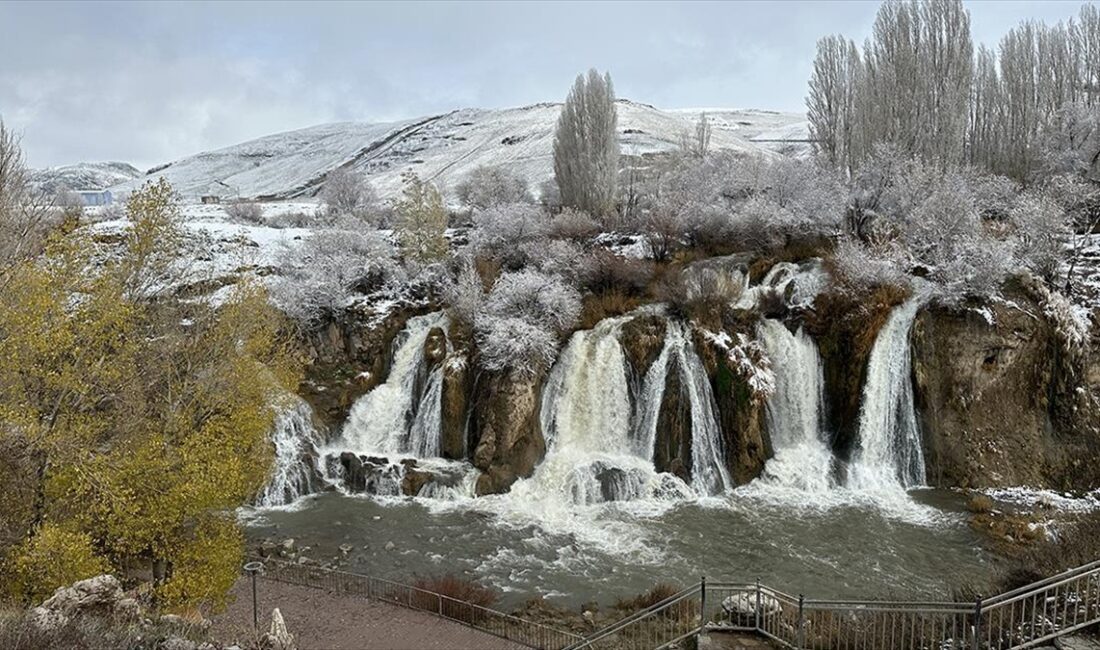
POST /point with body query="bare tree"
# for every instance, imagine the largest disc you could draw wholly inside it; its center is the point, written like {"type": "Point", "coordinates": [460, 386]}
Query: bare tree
{"type": "Point", "coordinates": [830, 106]}
{"type": "Point", "coordinates": [26, 215]}
{"type": "Point", "coordinates": [586, 146]}
{"type": "Point", "coordinates": [348, 194]}
{"type": "Point", "coordinates": [696, 142]}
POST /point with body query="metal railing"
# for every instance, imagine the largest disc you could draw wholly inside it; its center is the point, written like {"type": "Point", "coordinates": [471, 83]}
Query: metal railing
{"type": "Point", "coordinates": [484, 619]}
{"type": "Point", "coordinates": [1019, 619]}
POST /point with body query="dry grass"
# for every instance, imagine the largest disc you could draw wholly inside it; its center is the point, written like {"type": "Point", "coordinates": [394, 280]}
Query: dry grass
{"type": "Point", "coordinates": [88, 633]}
{"type": "Point", "coordinates": [659, 592]}
{"type": "Point", "coordinates": [464, 599]}
{"type": "Point", "coordinates": [979, 503]}
{"type": "Point", "coordinates": [598, 306]}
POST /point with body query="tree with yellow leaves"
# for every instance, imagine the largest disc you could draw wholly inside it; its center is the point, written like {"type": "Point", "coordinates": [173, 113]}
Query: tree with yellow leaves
{"type": "Point", "coordinates": [137, 421]}
{"type": "Point", "coordinates": [421, 221]}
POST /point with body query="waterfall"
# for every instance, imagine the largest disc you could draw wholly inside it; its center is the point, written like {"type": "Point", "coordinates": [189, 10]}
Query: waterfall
{"type": "Point", "coordinates": [708, 469]}
{"type": "Point", "coordinates": [586, 421]}
{"type": "Point", "coordinates": [403, 415]}
{"type": "Point", "coordinates": [889, 453]}
{"type": "Point", "coordinates": [802, 458]}
{"type": "Point", "coordinates": [294, 473]}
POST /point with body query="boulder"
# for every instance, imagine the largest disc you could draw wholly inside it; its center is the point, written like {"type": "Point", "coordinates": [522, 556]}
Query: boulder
{"type": "Point", "coordinates": [744, 605]}
{"type": "Point", "coordinates": [278, 637]}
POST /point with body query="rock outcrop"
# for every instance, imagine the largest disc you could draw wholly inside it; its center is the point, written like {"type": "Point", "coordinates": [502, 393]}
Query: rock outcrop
{"type": "Point", "coordinates": [347, 357]}
{"type": "Point", "coordinates": [509, 437]}
{"type": "Point", "coordinates": [991, 395]}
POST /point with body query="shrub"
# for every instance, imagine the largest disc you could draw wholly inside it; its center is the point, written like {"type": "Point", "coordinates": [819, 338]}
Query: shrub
{"type": "Point", "coordinates": [701, 293]}
{"type": "Point", "coordinates": [519, 324]}
{"type": "Point", "coordinates": [607, 271]}
{"type": "Point", "coordinates": [979, 503]}
{"type": "Point", "coordinates": [330, 266]}
{"type": "Point", "coordinates": [348, 194]}
{"type": "Point", "coordinates": [487, 186]}
{"type": "Point", "coordinates": [246, 211]}
{"type": "Point", "coordinates": [52, 557]}
{"type": "Point", "coordinates": [659, 592]}
{"type": "Point", "coordinates": [573, 224]}
{"type": "Point", "coordinates": [463, 597]}
{"type": "Point", "coordinates": [501, 230]}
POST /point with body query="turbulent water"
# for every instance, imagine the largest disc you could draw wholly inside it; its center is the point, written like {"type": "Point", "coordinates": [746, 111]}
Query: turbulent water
{"type": "Point", "coordinates": [802, 458]}
{"type": "Point", "coordinates": [889, 455]}
{"type": "Point", "coordinates": [596, 518]}
{"type": "Point", "coordinates": [296, 439]}
{"type": "Point", "coordinates": [401, 416]}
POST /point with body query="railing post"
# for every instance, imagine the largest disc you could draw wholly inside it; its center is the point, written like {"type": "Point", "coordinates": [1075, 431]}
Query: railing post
{"type": "Point", "coordinates": [702, 602]}
{"type": "Point", "coordinates": [977, 644]}
{"type": "Point", "coordinates": [757, 623]}
{"type": "Point", "coordinates": [801, 623]}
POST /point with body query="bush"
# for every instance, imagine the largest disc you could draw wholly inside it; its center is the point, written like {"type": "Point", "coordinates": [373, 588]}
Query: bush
{"type": "Point", "coordinates": [347, 194]}
{"type": "Point", "coordinates": [460, 594]}
{"type": "Point", "coordinates": [246, 211]}
{"type": "Point", "coordinates": [329, 267]}
{"type": "Point", "coordinates": [488, 186]}
{"type": "Point", "coordinates": [701, 293]}
{"type": "Point", "coordinates": [521, 320]}
{"type": "Point", "coordinates": [607, 271]}
{"type": "Point", "coordinates": [573, 224]}
{"type": "Point", "coordinates": [660, 591]}
{"type": "Point", "coordinates": [501, 231]}
{"type": "Point", "coordinates": [52, 557]}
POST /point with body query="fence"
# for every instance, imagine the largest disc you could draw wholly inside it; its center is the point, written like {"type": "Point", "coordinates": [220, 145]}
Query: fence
{"type": "Point", "coordinates": [1022, 618]}
{"type": "Point", "coordinates": [491, 621]}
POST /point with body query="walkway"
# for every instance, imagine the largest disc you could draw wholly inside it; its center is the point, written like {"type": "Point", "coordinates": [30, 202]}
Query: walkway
{"type": "Point", "coordinates": [320, 620]}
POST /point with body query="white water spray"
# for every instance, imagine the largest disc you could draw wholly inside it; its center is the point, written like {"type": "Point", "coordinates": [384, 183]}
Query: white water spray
{"type": "Point", "coordinates": [802, 459]}
{"type": "Point", "coordinates": [403, 415]}
{"type": "Point", "coordinates": [889, 455]}
{"type": "Point", "coordinates": [294, 473]}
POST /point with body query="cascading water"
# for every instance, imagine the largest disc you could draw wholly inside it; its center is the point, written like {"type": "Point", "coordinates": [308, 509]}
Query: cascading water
{"type": "Point", "coordinates": [586, 420]}
{"type": "Point", "coordinates": [398, 425]}
{"type": "Point", "coordinates": [889, 455]}
{"type": "Point", "coordinates": [802, 459]}
{"type": "Point", "coordinates": [402, 416]}
{"type": "Point", "coordinates": [294, 473]}
{"type": "Point", "coordinates": [709, 475]}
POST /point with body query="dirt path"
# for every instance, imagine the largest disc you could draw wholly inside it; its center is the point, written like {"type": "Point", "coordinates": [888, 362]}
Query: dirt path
{"type": "Point", "coordinates": [320, 620]}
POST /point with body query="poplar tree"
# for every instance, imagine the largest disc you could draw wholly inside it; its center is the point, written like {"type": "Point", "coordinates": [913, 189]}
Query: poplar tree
{"type": "Point", "coordinates": [586, 146]}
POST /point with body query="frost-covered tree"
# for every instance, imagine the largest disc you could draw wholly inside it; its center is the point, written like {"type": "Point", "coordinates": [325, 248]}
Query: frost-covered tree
{"type": "Point", "coordinates": [421, 221]}
{"type": "Point", "coordinates": [244, 211]}
{"type": "Point", "coordinates": [319, 276]}
{"type": "Point", "coordinates": [347, 193]}
{"type": "Point", "coordinates": [1042, 233]}
{"type": "Point", "coordinates": [521, 321]}
{"type": "Point", "coordinates": [501, 230]}
{"type": "Point", "coordinates": [586, 146]}
{"type": "Point", "coordinates": [831, 103]}
{"type": "Point", "coordinates": [488, 186]}
{"type": "Point", "coordinates": [696, 142]}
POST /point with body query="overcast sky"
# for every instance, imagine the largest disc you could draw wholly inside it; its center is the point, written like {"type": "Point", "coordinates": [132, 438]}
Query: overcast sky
{"type": "Point", "coordinates": [150, 82]}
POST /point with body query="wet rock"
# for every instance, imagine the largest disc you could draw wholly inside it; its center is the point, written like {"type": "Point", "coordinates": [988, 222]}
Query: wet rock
{"type": "Point", "coordinates": [390, 546]}
{"type": "Point", "coordinates": [510, 442]}
{"type": "Point", "coordinates": [287, 547]}
{"type": "Point", "coordinates": [413, 481]}
{"type": "Point", "coordinates": [642, 339]}
{"type": "Point", "coordinates": [346, 548]}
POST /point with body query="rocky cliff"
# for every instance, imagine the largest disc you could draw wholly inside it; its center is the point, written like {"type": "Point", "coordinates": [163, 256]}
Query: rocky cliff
{"type": "Point", "coordinates": [995, 404]}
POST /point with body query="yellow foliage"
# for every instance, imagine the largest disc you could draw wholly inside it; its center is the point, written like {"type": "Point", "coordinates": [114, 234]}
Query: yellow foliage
{"type": "Point", "coordinates": [421, 221]}
{"type": "Point", "coordinates": [148, 417]}
{"type": "Point", "coordinates": [206, 566]}
{"type": "Point", "coordinates": [52, 557]}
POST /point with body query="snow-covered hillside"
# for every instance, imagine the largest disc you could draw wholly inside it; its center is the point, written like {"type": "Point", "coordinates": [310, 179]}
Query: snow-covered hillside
{"type": "Point", "coordinates": [445, 148]}
{"type": "Point", "coordinates": [83, 176]}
